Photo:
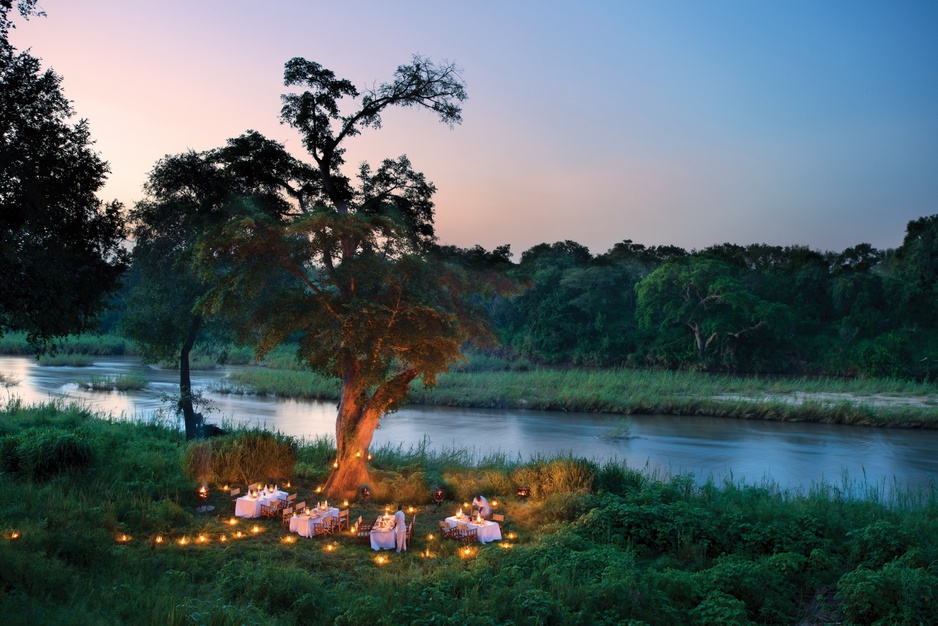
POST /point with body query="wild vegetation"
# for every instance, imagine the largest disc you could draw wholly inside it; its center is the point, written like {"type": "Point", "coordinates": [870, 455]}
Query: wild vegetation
{"type": "Point", "coordinates": [861, 401]}
{"type": "Point", "coordinates": [84, 499]}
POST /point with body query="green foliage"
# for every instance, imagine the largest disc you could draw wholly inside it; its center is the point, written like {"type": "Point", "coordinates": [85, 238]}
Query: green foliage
{"type": "Point", "coordinates": [895, 593]}
{"type": "Point", "coordinates": [39, 454]}
{"type": "Point", "coordinates": [618, 546]}
{"type": "Point", "coordinates": [61, 248]}
{"type": "Point", "coordinates": [275, 589]}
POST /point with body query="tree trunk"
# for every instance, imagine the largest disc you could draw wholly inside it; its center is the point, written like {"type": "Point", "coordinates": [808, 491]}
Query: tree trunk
{"type": "Point", "coordinates": [356, 422]}
{"type": "Point", "coordinates": [192, 420]}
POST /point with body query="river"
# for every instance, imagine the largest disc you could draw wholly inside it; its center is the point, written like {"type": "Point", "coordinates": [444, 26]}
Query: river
{"type": "Point", "coordinates": [786, 454]}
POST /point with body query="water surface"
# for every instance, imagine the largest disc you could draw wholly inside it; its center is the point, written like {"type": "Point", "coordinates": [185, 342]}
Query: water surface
{"type": "Point", "coordinates": [789, 454]}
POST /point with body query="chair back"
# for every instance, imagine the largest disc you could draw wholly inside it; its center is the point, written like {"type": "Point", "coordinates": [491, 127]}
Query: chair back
{"type": "Point", "coordinates": [499, 519]}
{"type": "Point", "coordinates": [287, 514]}
{"type": "Point", "coordinates": [254, 486]}
{"type": "Point", "coordinates": [291, 497]}
{"type": "Point", "coordinates": [234, 493]}
{"type": "Point", "coordinates": [300, 506]}
{"type": "Point", "coordinates": [410, 528]}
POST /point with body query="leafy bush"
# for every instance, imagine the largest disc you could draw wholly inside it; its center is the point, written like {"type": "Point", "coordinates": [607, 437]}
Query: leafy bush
{"type": "Point", "coordinates": [893, 594]}
{"type": "Point", "coordinates": [877, 544]}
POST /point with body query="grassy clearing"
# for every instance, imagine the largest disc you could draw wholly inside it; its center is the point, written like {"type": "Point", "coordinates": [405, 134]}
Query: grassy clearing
{"type": "Point", "coordinates": [835, 401]}
{"type": "Point", "coordinates": [98, 525]}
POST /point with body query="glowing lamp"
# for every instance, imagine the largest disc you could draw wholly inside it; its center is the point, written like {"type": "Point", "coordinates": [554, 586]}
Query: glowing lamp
{"type": "Point", "coordinates": [523, 492]}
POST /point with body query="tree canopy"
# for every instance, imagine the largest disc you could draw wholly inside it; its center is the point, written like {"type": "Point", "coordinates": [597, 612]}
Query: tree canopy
{"type": "Point", "coordinates": [352, 272]}
{"type": "Point", "coordinates": [60, 246]}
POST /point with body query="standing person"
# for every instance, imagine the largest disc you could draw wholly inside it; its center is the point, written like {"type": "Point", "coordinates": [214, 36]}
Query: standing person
{"type": "Point", "coordinates": [400, 528]}
{"type": "Point", "coordinates": [485, 510]}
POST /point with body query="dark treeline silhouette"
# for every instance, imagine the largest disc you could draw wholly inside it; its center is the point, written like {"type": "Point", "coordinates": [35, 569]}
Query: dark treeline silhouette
{"type": "Point", "coordinates": [746, 309]}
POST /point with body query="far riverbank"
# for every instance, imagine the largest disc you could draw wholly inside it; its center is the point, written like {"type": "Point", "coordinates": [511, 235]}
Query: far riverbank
{"type": "Point", "coordinates": [885, 403]}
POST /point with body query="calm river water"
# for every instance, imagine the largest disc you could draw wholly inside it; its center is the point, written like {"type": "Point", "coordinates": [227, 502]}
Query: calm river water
{"type": "Point", "coordinates": [791, 455]}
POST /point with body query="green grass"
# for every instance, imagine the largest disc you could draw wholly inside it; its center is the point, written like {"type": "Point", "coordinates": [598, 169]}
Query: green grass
{"type": "Point", "coordinates": [596, 543]}
{"type": "Point", "coordinates": [838, 401]}
{"type": "Point", "coordinates": [88, 344]}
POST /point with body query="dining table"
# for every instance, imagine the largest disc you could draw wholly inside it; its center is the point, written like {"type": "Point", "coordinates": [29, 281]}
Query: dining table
{"type": "Point", "coordinates": [383, 534]}
{"type": "Point", "coordinates": [486, 530]}
{"type": "Point", "coordinates": [304, 523]}
{"type": "Point", "coordinates": [250, 505]}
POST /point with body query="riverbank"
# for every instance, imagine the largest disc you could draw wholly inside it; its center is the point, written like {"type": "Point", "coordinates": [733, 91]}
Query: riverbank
{"type": "Point", "coordinates": [122, 541]}
{"type": "Point", "coordinates": [862, 402]}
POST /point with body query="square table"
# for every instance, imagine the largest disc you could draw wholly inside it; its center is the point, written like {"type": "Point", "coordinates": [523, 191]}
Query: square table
{"type": "Point", "coordinates": [487, 531]}
{"type": "Point", "coordinates": [303, 523]}
{"type": "Point", "coordinates": [383, 534]}
{"type": "Point", "coordinates": [250, 506]}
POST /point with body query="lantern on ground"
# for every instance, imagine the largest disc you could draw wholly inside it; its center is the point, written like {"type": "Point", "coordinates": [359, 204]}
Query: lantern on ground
{"type": "Point", "coordinates": [523, 492]}
{"type": "Point", "coordinates": [203, 498]}
{"type": "Point", "coordinates": [365, 492]}
{"type": "Point", "coordinates": [438, 496]}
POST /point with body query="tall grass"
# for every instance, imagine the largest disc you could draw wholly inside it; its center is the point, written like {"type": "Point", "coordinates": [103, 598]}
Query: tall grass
{"type": "Point", "coordinates": [837, 401]}
{"type": "Point", "coordinates": [87, 344]}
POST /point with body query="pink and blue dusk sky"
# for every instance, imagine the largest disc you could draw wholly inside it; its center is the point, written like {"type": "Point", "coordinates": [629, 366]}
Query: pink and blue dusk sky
{"type": "Point", "coordinates": [687, 123]}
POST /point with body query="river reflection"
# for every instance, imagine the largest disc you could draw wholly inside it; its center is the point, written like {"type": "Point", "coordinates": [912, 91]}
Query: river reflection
{"type": "Point", "coordinates": [789, 454]}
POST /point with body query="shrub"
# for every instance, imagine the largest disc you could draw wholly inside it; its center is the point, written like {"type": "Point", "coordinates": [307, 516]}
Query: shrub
{"type": "Point", "coordinates": [893, 594]}
{"type": "Point", "coordinates": [877, 544]}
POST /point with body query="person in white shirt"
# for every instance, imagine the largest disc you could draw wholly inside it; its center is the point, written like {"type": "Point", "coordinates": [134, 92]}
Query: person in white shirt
{"type": "Point", "coordinates": [485, 510]}
{"type": "Point", "coordinates": [400, 528]}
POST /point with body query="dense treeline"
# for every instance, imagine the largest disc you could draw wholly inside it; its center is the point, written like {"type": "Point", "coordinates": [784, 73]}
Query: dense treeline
{"type": "Point", "coordinates": [747, 309]}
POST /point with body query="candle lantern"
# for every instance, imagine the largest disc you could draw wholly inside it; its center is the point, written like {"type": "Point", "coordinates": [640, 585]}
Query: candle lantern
{"type": "Point", "coordinates": [438, 496]}
{"type": "Point", "coordinates": [203, 498]}
{"type": "Point", "coordinates": [365, 492]}
{"type": "Point", "coordinates": [523, 492]}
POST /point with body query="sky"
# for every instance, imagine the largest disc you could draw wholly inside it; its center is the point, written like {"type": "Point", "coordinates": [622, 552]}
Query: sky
{"type": "Point", "coordinates": [688, 123]}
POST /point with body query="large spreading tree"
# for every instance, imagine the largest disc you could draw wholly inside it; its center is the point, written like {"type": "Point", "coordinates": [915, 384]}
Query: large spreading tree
{"type": "Point", "coordinates": [370, 298]}
{"type": "Point", "coordinates": [60, 247]}
{"type": "Point", "coordinates": [191, 196]}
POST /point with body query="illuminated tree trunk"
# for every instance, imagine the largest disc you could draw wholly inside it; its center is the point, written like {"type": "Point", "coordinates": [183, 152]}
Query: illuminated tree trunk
{"type": "Point", "coordinates": [358, 417]}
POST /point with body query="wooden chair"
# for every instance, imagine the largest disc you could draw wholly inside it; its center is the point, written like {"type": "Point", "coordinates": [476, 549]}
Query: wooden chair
{"type": "Point", "coordinates": [363, 534]}
{"type": "Point", "coordinates": [465, 534]}
{"type": "Point", "coordinates": [287, 513]}
{"type": "Point", "coordinates": [447, 531]}
{"type": "Point", "coordinates": [268, 509]}
{"type": "Point", "coordinates": [326, 527]}
{"type": "Point", "coordinates": [234, 494]}
{"type": "Point", "coordinates": [500, 520]}
{"type": "Point", "coordinates": [410, 529]}
{"type": "Point", "coordinates": [343, 523]}
{"type": "Point", "coordinates": [254, 486]}
{"type": "Point", "coordinates": [300, 506]}
{"type": "Point", "coordinates": [291, 499]}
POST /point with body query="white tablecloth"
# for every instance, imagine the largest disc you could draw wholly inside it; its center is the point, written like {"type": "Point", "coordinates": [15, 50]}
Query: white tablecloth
{"type": "Point", "coordinates": [303, 524]}
{"type": "Point", "coordinates": [247, 506]}
{"type": "Point", "coordinates": [488, 531]}
{"type": "Point", "coordinates": [381, 538]}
